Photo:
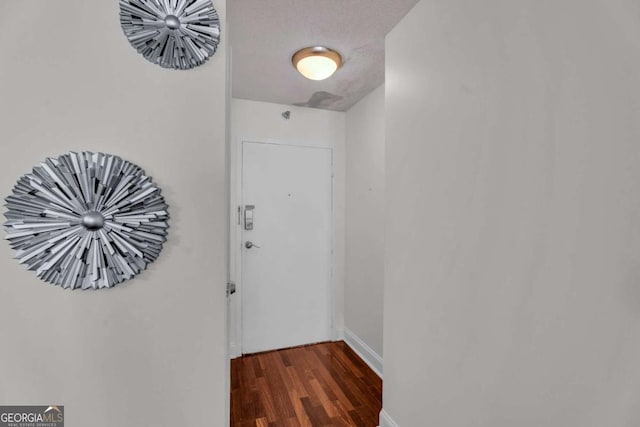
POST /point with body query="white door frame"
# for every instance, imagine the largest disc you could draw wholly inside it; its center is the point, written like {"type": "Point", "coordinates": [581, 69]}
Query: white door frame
{"type": "Point", "coordinates": [239, 231]}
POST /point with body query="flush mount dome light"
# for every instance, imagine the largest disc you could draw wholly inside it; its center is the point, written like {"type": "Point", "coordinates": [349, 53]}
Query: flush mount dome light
{"type": "Point", "coordinates": [317, 63]}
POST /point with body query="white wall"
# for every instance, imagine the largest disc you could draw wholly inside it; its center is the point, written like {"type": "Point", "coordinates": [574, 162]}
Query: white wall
{"type": "Point", "coordinates": [512, 273]}
{"type": "Point", "coordinates": [150, 351]}
{"type": "Point", "coordinates": [364, 263]}
{"type": "Point", "coordinates": [263, 122]}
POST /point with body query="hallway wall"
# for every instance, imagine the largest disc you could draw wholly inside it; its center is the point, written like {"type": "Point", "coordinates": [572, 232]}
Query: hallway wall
{"type": "Point", "coordinates": [364, 262]}
{"type": "Point", "coordinates": [149, 352]}
{"type": "Point", "coordinates": [512, 273]}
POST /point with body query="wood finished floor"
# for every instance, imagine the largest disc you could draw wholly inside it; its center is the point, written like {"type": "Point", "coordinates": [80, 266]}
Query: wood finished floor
{"type": "Point", "coordinates": [319, 385]}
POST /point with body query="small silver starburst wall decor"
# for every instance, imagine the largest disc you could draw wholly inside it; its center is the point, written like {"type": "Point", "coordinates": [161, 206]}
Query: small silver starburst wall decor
{"type": "Point", "coordinates": [86, 220]}
{"type": "Point", "coordinates": [179, 34]}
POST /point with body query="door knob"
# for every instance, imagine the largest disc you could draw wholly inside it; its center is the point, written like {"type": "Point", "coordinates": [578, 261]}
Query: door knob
{"type": "Point", "coordinates": [248, 244]}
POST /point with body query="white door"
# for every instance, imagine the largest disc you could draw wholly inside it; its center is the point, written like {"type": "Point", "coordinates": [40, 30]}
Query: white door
{"type": "Point", "coordinates": [287, 274]}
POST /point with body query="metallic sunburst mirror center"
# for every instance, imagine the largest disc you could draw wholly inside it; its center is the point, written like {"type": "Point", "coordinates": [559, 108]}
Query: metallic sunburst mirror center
{"type": "Point", "coordinates": [172, 22]}
{"type": "Point", "coordinates": [93, 221]}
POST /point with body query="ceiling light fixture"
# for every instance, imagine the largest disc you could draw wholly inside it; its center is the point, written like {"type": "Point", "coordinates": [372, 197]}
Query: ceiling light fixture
{"type": "Point", "coordinates": [317, 62]}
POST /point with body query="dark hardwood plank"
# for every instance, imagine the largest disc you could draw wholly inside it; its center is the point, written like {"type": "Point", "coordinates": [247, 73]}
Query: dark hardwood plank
{"type": "Point", "coordinates": [316, 414]}
{"type": "Point", "coordinates": [324, 384]}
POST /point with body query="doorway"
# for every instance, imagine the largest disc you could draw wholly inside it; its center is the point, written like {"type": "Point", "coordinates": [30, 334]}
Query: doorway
{"type": "Point", "coordinates": [285, 245]}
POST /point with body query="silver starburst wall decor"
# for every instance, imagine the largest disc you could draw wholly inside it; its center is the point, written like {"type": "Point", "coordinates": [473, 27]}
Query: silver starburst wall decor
{"type": "Point", "coordinates": [178, 34]}
{"type": "Point", "coordinates": [86, 220]}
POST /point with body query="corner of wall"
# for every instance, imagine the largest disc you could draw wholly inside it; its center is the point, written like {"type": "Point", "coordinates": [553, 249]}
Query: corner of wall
{"type": "Point", "coordinates": [366, 353]}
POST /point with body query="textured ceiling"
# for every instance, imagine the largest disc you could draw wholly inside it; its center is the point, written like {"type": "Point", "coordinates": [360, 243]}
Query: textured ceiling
{"type": "Point", "coordinates": [265, 34]}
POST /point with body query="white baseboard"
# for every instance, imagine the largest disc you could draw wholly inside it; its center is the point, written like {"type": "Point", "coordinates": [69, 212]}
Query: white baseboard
{"type": "Point", "coordinates": [339, 334]}
{"type": "Point", "coordinates": [385, 420]}
{"type": "Point", "coordinates": [364, 351]}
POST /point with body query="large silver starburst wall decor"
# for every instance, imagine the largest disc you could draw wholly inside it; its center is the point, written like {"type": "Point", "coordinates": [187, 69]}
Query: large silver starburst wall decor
{"type": "Point", "coordinates": [178, 34]}
{"type": "Point", "coordinates": [86, 220]}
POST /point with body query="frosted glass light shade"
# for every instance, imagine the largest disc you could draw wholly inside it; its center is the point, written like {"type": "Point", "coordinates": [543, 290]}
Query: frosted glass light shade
{"type": "Point", "coordinates": [317, 63]}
